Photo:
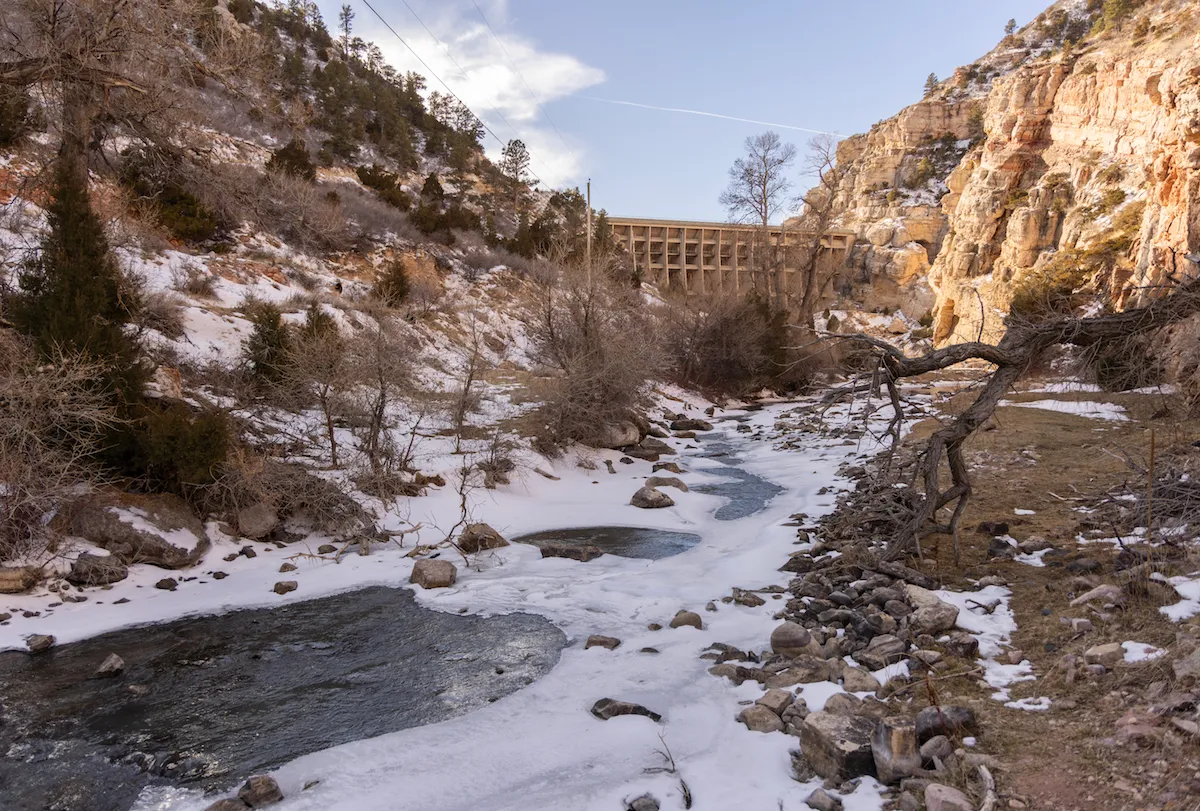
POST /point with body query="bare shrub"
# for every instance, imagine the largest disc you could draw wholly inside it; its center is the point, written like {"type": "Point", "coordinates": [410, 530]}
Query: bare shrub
{"type": "Point", "coordinates": [316, 369]}
{"type": "Point", "coordinates": [467, 397]}
{"type": "Point", "coordinates": [718, 343]}
{"type": "Point", "coordinates": [196, 282]}
{"type": "Point", "coordinates": [384, 371]}
{"type": "Point", "coordinates": [53, 420]}
{"type": "Point", "coordinates": [161, 311]}
{"type": "Point", "coordinates": [597, 340]}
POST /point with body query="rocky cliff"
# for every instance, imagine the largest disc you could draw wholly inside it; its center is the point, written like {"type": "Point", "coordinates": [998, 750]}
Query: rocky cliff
{"type": "Point", "coordinates": [1064, 163]}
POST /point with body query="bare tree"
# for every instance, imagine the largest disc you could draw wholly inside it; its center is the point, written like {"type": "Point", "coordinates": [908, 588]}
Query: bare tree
{"type": "Point", "coordinates": [758, 192]}
{"type": "Point", "coordinates": [317, 367]}
{"type": "Point", "coordinates": [818, 215]}
{"type": "Point", "coordinates": [1022, 344]}
{"type": "Point", "coordinates": [465, 399]}
{"type": "Point", "coordinates": [384, 369]}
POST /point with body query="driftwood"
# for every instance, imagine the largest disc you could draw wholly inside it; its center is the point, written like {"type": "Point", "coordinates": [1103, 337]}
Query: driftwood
{"type": "Point", "coordinates": [1012, 356]}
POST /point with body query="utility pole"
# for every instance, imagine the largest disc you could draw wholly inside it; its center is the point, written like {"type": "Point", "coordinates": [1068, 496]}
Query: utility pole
{"type": "Point", "coordinates": [588, 256]}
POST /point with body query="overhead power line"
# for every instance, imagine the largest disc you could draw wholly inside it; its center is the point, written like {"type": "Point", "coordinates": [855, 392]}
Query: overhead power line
{"type": "Point", "coordinates": [442, 81]}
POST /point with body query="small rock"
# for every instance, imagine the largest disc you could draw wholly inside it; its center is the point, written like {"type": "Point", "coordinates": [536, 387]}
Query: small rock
{"type": "Point", "coordinates": [946, 720]}
{"type": "Point", "coordinates": [939, 746]}
{"type": "Point", "coordinates": [215, 576]}
{"type": "Point", "coordinates": [287, 567]}
{"type": "Point", "coordinates": [1107, 655]}
{"type": "Point", "coordinates": [687, 424]}
{"type": "Point", "coordinates": [596, 641]}
{"type": "Point", "coordinates": [257, 521]}
{"type": "Point", "coordinates": [933, 615]}
{"type": "Point", "coordinates": [247, 552]}
{"type": "Point", "coordinates": [284, 586]}
{"type": "Point", "coordinates": [894, 748]}
{"type": "Point", "coordinates": [776, 701]}
{"type": "Point", "coordinates": [110, 667]}
{"type": "Point", "coordinates": [326, 549]}
{"type": "Point", "coordinates": [822, 800]}
{"type": "Point", "coordinates": [37, 643]}
{"type": "Point", "coordinates": [791, 639]}
{"type": "Point", "coordinates": [234, 804]}
{"type": "Point", "coordinates": [993, 528]}
{"type": "Point", "coordinates": [97, 570]}
{"type": "Point", "coordinates": [946, 798]}
{"type": "Point", "coordinates": [259, 791]}
{"type": "Point", "coordinates": [908, 802]}
{"type": "Point", "coordinates": [666, 481]}
{"type": "Point", "coordinates": [670, 467]}
{"type": "Point", "coordinates": [580, 553]}
{"type": "Point", "coordinates": [838, 747]}
{"type": "Point", "coordinates": [1107, 593]}
{"type": "Point", "coordinates": [758, 718]}
{"type": "Point", "coordinates": [644, 803]}
{"type": "Point", "coordinates": [1083, 566]}
{"type": "Point", "coordinates": [647, 498]}
{"type": "Point", "coordinates": [477, 537]}
{"type": "Point", "coordinates": [167, 584]}
{"type": "Point", "coordinates": [961, 644]}
{"type": "Point", "coordinates": [710, 606]}
{"type": "Point", "coordinates": [882, 651]}
{"type": "Point", "coordinates": [689, 618]}
{"type": "Point", "coordinates": [857, 680]}
{"type": "Point", "coordinates": [433, 574]}
{"type": "Point", "coordinates": [607, 708]}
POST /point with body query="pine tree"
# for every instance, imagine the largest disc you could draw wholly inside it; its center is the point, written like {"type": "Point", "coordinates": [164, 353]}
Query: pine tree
{"type": "Point", "coordinates": [1010, 28]}
{"type": "Point", "coordinates": [72, 296]}
{"type": "Point", "coordinates": [931, 84]}
{"type": "Point", "coordinates": [345, 18]}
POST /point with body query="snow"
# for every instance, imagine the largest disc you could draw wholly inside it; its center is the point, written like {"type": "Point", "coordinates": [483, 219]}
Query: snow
{"type": "Point", "coordinates": [1188, 587]}
{"type": "Point", "coordinates": [1019, 511]}
{"type": "Point", "coordinates": [1033, 558]}
{"type": "Point", "coordinates": [1081, 408]}
{"type": "Point", "coordinates": [181, 538]}
{"type": "Point", "coordinates": [994, 631]}
{"type": "Point", "coordinates": [1141, 652]}
{"type": "Point", "coordinates": [1066, 387]}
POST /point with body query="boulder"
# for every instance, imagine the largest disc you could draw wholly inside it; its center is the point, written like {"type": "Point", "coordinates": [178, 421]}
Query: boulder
{"type": "Point", "coordinates": [285, 586]}
{"type": "Point", "coordinates": [97, 570]}
{"type": "Point", "coordinates": [228, 804]}
{"type": "Point", "coordinates": [894, 748]}
{"type": "Point", "coordinates": [791, 639]}
{"type": "Point", "coordinates": [805, 669]}
{"type": "Point", "coordinates": [607, 708]}
{"type": "Point", "coordinates": [843, 704]}
{"type": "Point", "coordinates": [1107, 655]}
{"type": "Point", "coordinates": [821, 800]}
{"type": "Point", "coordinates": [16, 579]}
{"type": "Point", "coordinates": [257, 521]}
{"type": "Point", "coordinates": [961, 644]}
{"type": "Point", "coordinates": [946, 798]}
{"type": "Point", "coordinates": [649, 449]}
{"type": "Point", "coordinates": [111, 666]}
{"type": "Point", "coordinates": [259, 791]}
{"type": "Point", "coordinates": [688, 618]}
{"type": "Point", "coordinates": [582, 553]}
{"type": "Point", "coordinates": [670, 467]}
{"type": "Point", "coordinates": [691, 424]}
{"type": "Point", "coordinates": [882, 651]}
{"type": "Point", "coordinates": [156, 529]}
{"type": "Point", "coordinates": [597, 641]}
{"type": "Point", "coordinates": [647, 498]}
{"type": "Point", "coordinates": [433, 574]}
{"type": "Point", "coordinates": [666, 481]}
{"type": "Point", "coordinates": [838, 747]}
{"type": "Point", "coordinates": [950, 720]}
{"type": "Point", "coordinates": [38, 643]}
{"type": "Point", "coordinates": [933, 615]}
{"type": "Point", "coordinates": [758, 718]}
{"type": "Point", "coordinates": [939, 746]}
{"type": "Point", "coordinates": [776, 701]}
{"type": "Point", "coordinates": [857, 680]}
{"type": "Point", "coordinates": [616, 435]}
{"type": "Point", "coordinates": [477, 537]}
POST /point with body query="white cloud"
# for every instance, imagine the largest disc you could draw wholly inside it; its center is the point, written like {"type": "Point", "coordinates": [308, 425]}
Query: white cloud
{"type": "Point", "coordinates": [479, 71]}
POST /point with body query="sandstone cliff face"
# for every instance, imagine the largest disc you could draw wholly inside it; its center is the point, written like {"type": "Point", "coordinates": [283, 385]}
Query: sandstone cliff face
{"type": "Point", "coordinates": [1090, 162]}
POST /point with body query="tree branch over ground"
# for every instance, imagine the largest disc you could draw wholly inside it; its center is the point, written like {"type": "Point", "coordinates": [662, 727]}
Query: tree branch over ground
{"type": "Point", "coordinates": [1012, 357]}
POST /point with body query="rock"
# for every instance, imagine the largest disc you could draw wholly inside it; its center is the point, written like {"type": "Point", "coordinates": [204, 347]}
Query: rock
{"type": "Point", "coordinates": [946, 798]}
{"type": "Point", "coordinates": [326, 549]}
{"type": "Point", "coordinates": [843, 704]}
{"type": "Point", "coordinates": [1188, 666]}
{"type": "Point", "coordinates": [649, 449]}
{"type": "Point", "coordinates": [581, 553]}
{"type": "Point", "coordinates": [37, 643]}
{"type": "Point", "coordinates": [894, 748]}
{"type": "Point", "coordinates": [1107, 655]}
{"type": "Point", "coordinates": [111, 666]}
{"type": "Point", "coordinates": [805, 669]}
{"type": "Point", "coordinates": [666, 481]}
{"type": "Point", "coordinates": [939, 746]}
{"type": "Point", "coordinates": [993, 528]}
{"type": "Point", "coordinates": [284, 586]}
{"type": "Point", "coordinates": [434, 574]}
{"type": "Point", "coordinates": [791, 639]}
{"type": "Point", "coordinates": [16, 579]}
{"type": "Point", "coordinates": [647, 498]}
{"type": "Point", "coordinates": [908, 802]}
{"type": "Point", "coordinates": [248, 552]}
{"type": "Point", "coordinates": [234, 804]}
{"type": "Point", "coordinates": [961, 644]}
{"type": "Point", "coordinates": [689, 618]}
{"type": "Point", "coordinates": [284, 568]}
{"type": "Point", "coordinates": [607, 708]}
{"type": "Point", "coordinates": [643, 803]}
{"type": "Point", "coordinates": [690, 425]}
{"type": "Point", "coordinates": [1107, 593]}
{"type": "Point", "coordinates": [1083, 566]}
{"type": "Point", "coordinates": [142, 528]}
{"type": "Point", "coordinates": [949, 720]}
{"type": "Point", "coordinates": [838, 747]}
{"type": "Point", "coordinates": [5, 616]}
{"type": "Point", "coordinates": [857, 680]}
{"type": "Point", "coordinates": [670, 467]}
{"type": "Point", "coordinates": [776, 701]}
{"type": "Point", "coordinates": [260, 791]}
{"type": "Point", "coordinates": [932, 615]}
{"type": "Point", "coordinates": [597, 641]}
{"type": "Point", "coordinates": [822, 800]}
{"type": "Point", "coordinates": [257, 521]}
{"type": "Point", "coordinates": [882, 651]}
{"type": "Point", "coordinates": [167, 584]}
{"type": "Point", "coordinates": [758, 718]}
{"type": "Point", "coordinates": [96, 570]}
{"type": "Point", "coordinates": [477, 537]}
{"type": "Point", "coordinates": [616, 435]}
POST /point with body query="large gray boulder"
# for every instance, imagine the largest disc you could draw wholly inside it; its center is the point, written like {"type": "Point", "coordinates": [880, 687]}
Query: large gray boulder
{"type": "Point", "coordinates": [97, 570]}
{"type": "Point", "coordinates": [838, 747]}
{"type": "Point", "coordinates": [157, 529]}
{"type": "Point", "coordinates": [792, 639]}
{"type": "Point", "coordinates": [433, 574]}
{"type": "Point", "coordinates": [616, 435]}
{"type": "Point", "coordinates": [647, 498]}
{"type": "Point", "coordinates": [257, 521]}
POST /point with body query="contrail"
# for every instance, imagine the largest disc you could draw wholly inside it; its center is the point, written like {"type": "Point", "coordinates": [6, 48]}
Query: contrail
{"type": "Point", "coordinates": [710, 115]}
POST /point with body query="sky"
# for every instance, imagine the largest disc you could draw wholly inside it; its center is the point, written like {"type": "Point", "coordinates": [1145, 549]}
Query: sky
{"type": "Point", "coordinates": [548, 72]}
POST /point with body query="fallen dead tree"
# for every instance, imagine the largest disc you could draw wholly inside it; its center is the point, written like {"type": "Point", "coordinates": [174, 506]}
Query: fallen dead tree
{"type": "Point", "coordinates": [1022, 344]}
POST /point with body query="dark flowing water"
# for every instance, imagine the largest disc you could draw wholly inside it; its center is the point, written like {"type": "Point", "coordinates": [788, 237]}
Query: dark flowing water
{"type": "Point", "coordinates": [208, 701]}
{"type": "Point", "coordinates": [747, 494]}
{"type": "Point", "coordinates": [628, 542]}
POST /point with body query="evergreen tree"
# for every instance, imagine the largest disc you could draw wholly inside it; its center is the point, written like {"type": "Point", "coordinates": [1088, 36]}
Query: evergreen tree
{"type": "Point", "coordinates": [1010, 28]}
{"type": "Point", "coordinates": [345, 18]}
{"type": "Point", "coordinates": [931, 84]}
{"type": "Point", "coordinates": [432, 190]}
{"type": "Point", "coordinates": [72, 296]}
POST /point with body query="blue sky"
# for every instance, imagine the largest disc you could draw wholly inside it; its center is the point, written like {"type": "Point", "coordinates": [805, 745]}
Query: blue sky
{"type": "Point", "coordinates": [833, 66]}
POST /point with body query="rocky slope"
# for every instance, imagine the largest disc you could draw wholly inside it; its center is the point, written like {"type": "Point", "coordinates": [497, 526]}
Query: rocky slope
{"type": "Point", "coordinates": [1052, 157]}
